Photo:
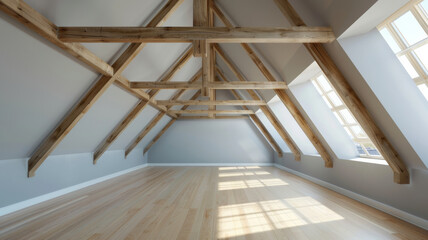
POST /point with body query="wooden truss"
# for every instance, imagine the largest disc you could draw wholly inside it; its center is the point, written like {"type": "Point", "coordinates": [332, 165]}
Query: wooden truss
{"type": "Point", "coordinates": [204, 37]}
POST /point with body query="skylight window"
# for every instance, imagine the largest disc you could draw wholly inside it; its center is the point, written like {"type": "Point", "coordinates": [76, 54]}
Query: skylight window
{"type": "Point", "coordinates": [406, 32]}
{"type": "Point", "coordinates": [363, 144]}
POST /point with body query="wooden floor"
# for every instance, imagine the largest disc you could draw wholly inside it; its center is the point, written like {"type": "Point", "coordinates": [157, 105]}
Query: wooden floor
{"type": "Point", "coordinates": [205, 203]}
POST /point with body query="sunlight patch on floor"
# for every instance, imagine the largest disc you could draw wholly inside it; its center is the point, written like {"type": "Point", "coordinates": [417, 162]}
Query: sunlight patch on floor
{"type": "Point", "coordinates": [313, 210]}
{"type": "Point", "coordinates": [243, 184]}
{"type": "Point", "coordinates": [256, 217]}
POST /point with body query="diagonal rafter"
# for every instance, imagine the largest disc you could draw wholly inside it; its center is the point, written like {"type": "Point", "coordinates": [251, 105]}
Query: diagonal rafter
{"type": "Point", "coordinates": [35, 21]}
{"type": "Point", "coordinates": [258, 123]}
{"type": "Point", "coordinates": [350, 98]}
{"type": "Point", "coordinates": [159, 116]}
{"type": "Point", "coordinates": [181, 61]}
{"type": "Point", "coordinates": [265, 109]}
{"type": "Point", "coordinates": [166, 127]}
{"type": "Point", "coordinates": [307, 129]}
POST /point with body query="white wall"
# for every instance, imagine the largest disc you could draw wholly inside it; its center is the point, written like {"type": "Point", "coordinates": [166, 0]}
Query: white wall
{"type": "Point", "coordinates": [211, 141]}
{"type": "Point", "coordinates": [374, 181]}
{"type": "Point", "coordinates": [324, 120]}
{"type": "Point", "coordinates": [58, 172]}
{"type": "Point", "coordinates": [394, 88]}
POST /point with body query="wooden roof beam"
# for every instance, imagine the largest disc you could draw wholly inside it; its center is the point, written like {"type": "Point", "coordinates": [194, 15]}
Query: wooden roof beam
{"type": "Point", "coordinates": [35, 21]}
{"type": "Point", "coordinates": [213, 112]}
{"type": "Point", "coordinates": [212, 85]}
{"type": "Point", "coordinates": [260, 125]}
{"type": "Point", "coordinates": [350, 98]}
{"type": "Point", "coordinates": [165, 128]}
{"type": "Point", "coordinates": [295, 112]}
{"type": "Point", "coordinates": [214, 103]}
{"type": "Point", "coordinates": [156, 119]}
{"type": "Point", "coordinates": [190, 34]}
{"type": "Point", "coordinates": [180, 62]}
{"type": "Point", "coordinates": [208, 117]}
{"type": "Point", "coordinates": [265, 109]}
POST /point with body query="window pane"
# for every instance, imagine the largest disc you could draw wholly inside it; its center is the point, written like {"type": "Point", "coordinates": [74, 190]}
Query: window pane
{"type": "Point", "coordinates": [422, 53]}
{"type": "Point", "coordinates": [349, 132]}
{"type": "Point", "coordinates": [424, 6]}
{"type": "Point", "coordinates": [360, 149]}
{"type": "Point", "coordinates": [410, 28]}
{"type": "Point", "coordinates": [325, 85]}
{"type": "Point", "coordinates": [347, 116]}
{"type": "Point", "coordinates": [424, 90]}
{"type": "Point", "coordinates": [408, 66]}
{"type": "Point", "coordinates": [371, 149]}
{"type": "Point", "coordinates": [338, 117]}
{"type": "Point", "coordinates": [317, 88]}
{"type": "Point", "coordinates": [327, 102]}
{"type": "Point", "coordinates": [335, 99]}
{"type": "Point", "coordinates": [390, 40]}
{"type": "Point", "coordinates": [359, 132]}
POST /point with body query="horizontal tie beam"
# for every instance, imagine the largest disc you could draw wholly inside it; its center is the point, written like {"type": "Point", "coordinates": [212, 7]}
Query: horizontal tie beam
{"type": "Point", "coordinates": [212, 85]}
{"type": "Point", "coordinates": [190, 34]}
{"type": "Point", "coordinates": [228, 112]}
{"type": "Point", "coordinates": [213, 103]}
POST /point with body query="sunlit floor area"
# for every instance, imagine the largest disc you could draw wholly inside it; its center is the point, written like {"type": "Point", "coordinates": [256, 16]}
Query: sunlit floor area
{"type": "Point", "coordinates": [205, 203]}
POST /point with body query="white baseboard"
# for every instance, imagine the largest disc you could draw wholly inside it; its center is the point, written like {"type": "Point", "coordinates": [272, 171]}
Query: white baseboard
{"type": "Point", "coordinates": [48, 196]}
{"type": "Point", "coordinates": [208, 164]}
{"type": "Point", "coordinates": [360, 198]}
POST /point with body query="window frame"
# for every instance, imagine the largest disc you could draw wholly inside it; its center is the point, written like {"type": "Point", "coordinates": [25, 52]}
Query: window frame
{"type": "Point", "coordinates": [346, 126]}
{"type": "Point", "coordinates": [407, 50]}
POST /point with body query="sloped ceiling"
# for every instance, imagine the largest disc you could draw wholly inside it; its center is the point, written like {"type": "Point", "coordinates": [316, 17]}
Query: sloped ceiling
{"type": "Point", "coordinates": [53, 81]}
{"type": "Point", "coordinates": [43, 82]}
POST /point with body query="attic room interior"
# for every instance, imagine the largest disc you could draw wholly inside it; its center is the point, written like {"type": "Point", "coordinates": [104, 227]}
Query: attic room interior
{"type": "Point", "coordinates": [213, 119]}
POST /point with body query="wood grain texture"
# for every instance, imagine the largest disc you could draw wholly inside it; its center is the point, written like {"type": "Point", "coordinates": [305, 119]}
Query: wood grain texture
{"type": "Point", "coordinates": [208, 117]}
{"type": "Point", "coordinates": [212, 111]}
{"type": "Point", "coordinates": [190, 34]}
{"type": "Point", "coordinates": [144, 132]}
{"type": "Point", "coordinates": [155, 120]}
{"type": "Point", "coordinates": [165, 128]}
{"type": "Point", "coordinates": [92, 95]}
{"type": "Point", "coordinates": [257, 121]}
{"type": "Point", "coordinates": [22, 12]}
{"type": "Point", "coordinates": [265, 109]}
{"type": "Point", "coordinates": [167, 76]}
{"type": "Point", "coordinates": [283, 96]}
{"type": "Point", "coordinates": [205, 203]}
{"type": "Point", "coordinates": [213, 103]}
{"type": "Point", "coordinates": [351, 99]}
{"type": "Point", "coordinates": [212, 85]}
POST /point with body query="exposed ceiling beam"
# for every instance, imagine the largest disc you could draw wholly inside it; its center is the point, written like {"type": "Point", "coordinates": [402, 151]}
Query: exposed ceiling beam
{"type": "Point", "coordinates": [214, 103]}
{"type": "Point", "coordinates": [22, 12]}
{"type": "Point", "coordinates": [35, 21]}
{"type": "Point", "coordinates": [266, 110]}
{"type": "Point", "coordinates": [180, 62]}
{"type": "Point", "coordinates": [190, 34]}
{"type": "Point", "coordinates": [195, 96]}
{"type": "Point", "coordinates": [144, 132]}
{"type": "Point", "coordinates": [156, 138]}
{"type": "Point", "coordinates": [200, 19]}
{"type": "Point", "coordinates": [283, 96]}
{"type": "Point", "coordinates": [259, 124]}
{"type": "Point", "coordinates": [350, 98]}
{"type": "Point", "coordinates": [212, 111]}
{"type": "Point", "coordinates": [208, 117]}
{"type": "Point", "coordinates": [155, 120]}
{"type": "Point", "coordinates": [212, 85]}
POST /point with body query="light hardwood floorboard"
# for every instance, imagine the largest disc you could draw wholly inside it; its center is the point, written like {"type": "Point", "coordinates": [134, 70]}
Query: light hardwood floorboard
{"type": "Point", "coordinates": [205, 203]}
